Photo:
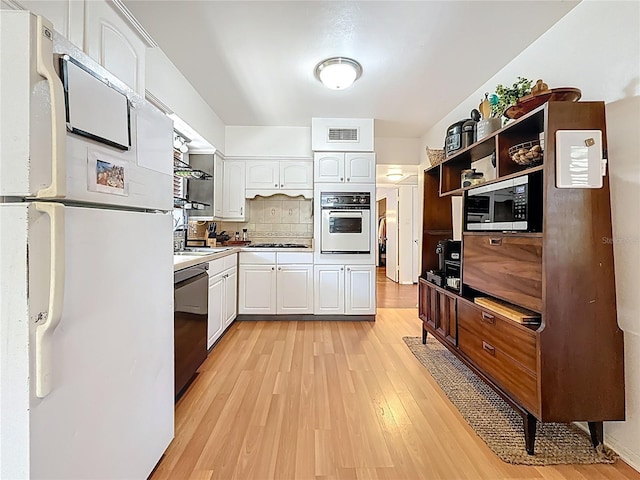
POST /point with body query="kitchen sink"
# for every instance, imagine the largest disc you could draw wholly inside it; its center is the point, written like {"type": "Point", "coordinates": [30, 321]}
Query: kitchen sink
{"type": "Point", "coordinates": [201, 251]}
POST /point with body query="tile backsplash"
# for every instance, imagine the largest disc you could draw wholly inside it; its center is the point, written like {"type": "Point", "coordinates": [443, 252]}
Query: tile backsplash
{"type": "Point", "coordinates": [278, 218]}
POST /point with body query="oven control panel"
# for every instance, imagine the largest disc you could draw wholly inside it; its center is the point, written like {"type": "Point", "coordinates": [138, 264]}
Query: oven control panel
{"type": "Point", "coordinates": [345, 199]}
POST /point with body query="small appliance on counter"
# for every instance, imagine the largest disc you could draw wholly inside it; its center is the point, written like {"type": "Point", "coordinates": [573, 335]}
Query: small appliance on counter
{"type": "Point", "coordinates": [448, 272]}
{"type": "Point", "coordinates": [453, 140]}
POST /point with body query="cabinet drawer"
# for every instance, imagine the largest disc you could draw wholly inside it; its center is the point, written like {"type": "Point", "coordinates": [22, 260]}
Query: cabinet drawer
{"type": "Point", "coordinates": [289, 258]}
{"type": "Point", "coordinates": [516, 342]}
{"type": "Point", "coordinates": [230, 261]}
{"type": "Point", "coordinates": [257, 258]}
{"type": "Point", "coordinates": [508, 267]}
{"type": "Point", "coordinates": [510, 375]}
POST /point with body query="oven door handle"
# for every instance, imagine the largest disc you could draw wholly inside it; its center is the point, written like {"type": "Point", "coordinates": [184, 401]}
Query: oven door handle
{"type": "Point", "coordinates": [345, 214]}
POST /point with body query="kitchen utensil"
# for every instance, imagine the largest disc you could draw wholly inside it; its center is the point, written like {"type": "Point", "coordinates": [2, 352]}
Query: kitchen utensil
{"type": "Point", "coordinates": [212, 229]}
{"type": "Point", "coordinates": [475, 115]}
{"type": "Point", "coordinates": [485, 107]}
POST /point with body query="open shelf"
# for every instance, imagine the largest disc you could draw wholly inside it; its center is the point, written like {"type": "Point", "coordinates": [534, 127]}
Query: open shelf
{"type": "Point", "coordinates": [460, 191]}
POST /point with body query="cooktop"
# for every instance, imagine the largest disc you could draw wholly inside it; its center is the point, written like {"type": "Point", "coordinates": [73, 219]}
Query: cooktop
{"type": "Point", "coordinates": [277, 245]}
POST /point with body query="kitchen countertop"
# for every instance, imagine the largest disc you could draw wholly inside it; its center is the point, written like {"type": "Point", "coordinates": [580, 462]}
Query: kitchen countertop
{"type": "Point", "coordinates": [184, 261]}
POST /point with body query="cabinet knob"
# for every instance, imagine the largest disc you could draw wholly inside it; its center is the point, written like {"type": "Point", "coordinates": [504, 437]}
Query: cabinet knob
{"type": "Point", "coordinates": [348, 269]}
{"type": "Point", "coordinates": [348, 179]}
{"type": "Point", "coordinates": [341, 269]}
{"type": "Point", "coordinates": [282, 186]}
{"type": "Point", "coordinates": [276, 185]}
{"type": "Point", "coordinates": [273, 268]}
{"type": "Point", "coordinates": [279, 268]}
{"type": "Point", "coordinates": [342, 179]}
{"type": "Point", "coordinates": [240, 210]}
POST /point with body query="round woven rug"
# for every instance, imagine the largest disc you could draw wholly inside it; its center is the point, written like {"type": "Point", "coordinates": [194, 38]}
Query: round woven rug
{"type": "Point", "coordinates": [496, 422]}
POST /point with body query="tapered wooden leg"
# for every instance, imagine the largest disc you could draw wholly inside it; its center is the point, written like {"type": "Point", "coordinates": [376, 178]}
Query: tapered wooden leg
{"type": "Point", "coordinates": [596, 429]}
{"type": "Point", "coordinates": [424, 336]}
{"type": "Point", "coordinates": [530, 424]}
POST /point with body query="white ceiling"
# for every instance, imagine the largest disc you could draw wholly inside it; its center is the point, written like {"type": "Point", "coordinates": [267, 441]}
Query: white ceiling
{"type": "Point", "coordinates": [253, 61]}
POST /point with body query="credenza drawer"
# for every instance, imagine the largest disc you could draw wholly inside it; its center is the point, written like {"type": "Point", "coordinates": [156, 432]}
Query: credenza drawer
{"type": "Point", "coordinates": [505, 352]}
{"type": "Point", "coordinates": [515, 341]}
{"type": "Point", "coordinates": [506, 266]}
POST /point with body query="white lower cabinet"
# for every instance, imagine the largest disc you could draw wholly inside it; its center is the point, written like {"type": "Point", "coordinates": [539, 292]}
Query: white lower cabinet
{"type": "Point", "coordinates": [223, 296]}
{"type": "Point", "coordinates": [273, 283]}
{"type": "Point", "coordinates": [345, 290]}
{"type": "Point", "coordinates": [257, 289]}
{"type": "Point", "coordinates": [294, 289]}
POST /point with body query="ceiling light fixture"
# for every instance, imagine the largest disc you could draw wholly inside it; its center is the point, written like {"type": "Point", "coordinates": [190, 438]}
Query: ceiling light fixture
{"type": "Point", "coordinates": [338, 73]}
{"type": "Point", "coordinates": [394, 176]}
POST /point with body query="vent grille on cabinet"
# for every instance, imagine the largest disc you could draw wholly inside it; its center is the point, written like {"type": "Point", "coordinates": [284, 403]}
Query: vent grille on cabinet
{"type": "Point", "coordinates": [344, 135]}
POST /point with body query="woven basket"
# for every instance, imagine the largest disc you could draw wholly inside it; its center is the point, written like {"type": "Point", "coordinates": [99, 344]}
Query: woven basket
{"type": "Point", "coordinates": [435, 156]}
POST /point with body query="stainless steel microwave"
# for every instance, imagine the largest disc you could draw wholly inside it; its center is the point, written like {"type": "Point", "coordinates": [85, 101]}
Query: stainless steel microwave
{"type": "Point", "coordinates": [510, 205]}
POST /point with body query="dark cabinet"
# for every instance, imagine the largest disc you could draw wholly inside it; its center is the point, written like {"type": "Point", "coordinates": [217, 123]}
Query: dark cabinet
{"type": "Point", "coordinates": [569, 366]}
{"type": "Point", "coordinates": [437, 308]}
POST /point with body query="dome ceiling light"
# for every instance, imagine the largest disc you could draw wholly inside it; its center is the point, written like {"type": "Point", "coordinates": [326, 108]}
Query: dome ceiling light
{"type": "Point", "coordinates": [338, 73]}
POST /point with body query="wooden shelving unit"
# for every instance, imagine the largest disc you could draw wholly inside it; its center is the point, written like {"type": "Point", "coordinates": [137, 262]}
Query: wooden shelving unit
{"type": "Point", "coordinates": [570, 366]}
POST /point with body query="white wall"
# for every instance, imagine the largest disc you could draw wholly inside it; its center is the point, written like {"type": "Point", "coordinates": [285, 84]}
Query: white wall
{"type": "Point", "coordinates": [596, 47]}
{"type": "Point", "coordinates": [268, 142]}
{"type": "Point", "coordinates": [397, 151]}
{"type": "Point", "coordinates": [166, 82]}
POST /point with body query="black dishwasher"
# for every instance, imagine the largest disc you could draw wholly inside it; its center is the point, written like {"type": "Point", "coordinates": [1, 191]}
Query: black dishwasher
{"type": "Point", "coordinates": [190, 311]}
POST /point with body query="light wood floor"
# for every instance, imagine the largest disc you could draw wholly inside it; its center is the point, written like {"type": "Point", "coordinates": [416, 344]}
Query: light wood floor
{"type": "Point", "coordinates": [332, 400]}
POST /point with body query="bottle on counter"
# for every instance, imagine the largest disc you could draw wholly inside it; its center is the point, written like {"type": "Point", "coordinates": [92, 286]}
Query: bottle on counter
{"type": "Point", "coordinates": [244, 234]}
{"type": "Point", "coordinates": [237, 237]}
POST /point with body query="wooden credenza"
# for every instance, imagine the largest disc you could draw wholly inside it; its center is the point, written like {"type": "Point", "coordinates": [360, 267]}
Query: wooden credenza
{"type": "Point", "coordinates": [570, 366]}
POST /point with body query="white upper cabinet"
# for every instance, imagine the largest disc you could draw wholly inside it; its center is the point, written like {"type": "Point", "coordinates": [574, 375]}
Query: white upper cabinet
{"type": "Point", "coordinates": [67, 17]}
{"type": "Point", "coordinates": [360, 167]}
{"type": "Point", "coordinates": [233, 199]}
{"type": "Point", "coordinates": [296, 175]}
{"type": "Point", "coordinates": [336, 167]}
{"type": "Point", "coordinates": [268, 177]}
{"type": "Point", "coordinates": [218, 185]}
{"type": "Point", "coordinates": [329, 167]}
{"type": "Point", "coordinates": [113, 43]}
{"type": "Point", "coordinates": [263, 174]}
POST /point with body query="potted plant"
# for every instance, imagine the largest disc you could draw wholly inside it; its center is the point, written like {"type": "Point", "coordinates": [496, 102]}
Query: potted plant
{"type": "Point", "coordinates": [508, 96]}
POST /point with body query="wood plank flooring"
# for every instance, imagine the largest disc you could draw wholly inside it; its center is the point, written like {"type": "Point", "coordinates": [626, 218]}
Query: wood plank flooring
{"type": "Point", "coordinates": [332, 400]}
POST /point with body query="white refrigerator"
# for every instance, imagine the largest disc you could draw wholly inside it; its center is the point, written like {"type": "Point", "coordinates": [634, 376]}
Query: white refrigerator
{"type": "Point", "coordinates": [86, 271]}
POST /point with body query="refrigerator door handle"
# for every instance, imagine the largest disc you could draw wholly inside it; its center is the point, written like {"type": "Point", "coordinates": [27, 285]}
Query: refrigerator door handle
{"type": "Point", "coordinates": [44, 330]}
{"type": "Point", "coordinates": [44, 67]}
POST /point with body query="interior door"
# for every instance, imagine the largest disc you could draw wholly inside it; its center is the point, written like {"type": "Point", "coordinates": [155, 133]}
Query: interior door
{"type": "Point", "coordinates": [415, 273]}
{"type": "Point", "coordinates": [392, 234]}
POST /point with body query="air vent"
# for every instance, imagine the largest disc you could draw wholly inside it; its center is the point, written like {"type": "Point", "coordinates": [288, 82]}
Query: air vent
{"type": "Point", "coordinates": [344, 135]}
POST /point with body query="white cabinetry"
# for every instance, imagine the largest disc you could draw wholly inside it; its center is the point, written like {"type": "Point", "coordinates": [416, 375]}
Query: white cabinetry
{"type": "Point", "coordinates": [257, 283]}
{"type": "Point", "coordinates": [345, 290]}
{"type": "Point", "coordinates": [276, 283]}
{"type": "Point", "coordinates": [336, 167]}
{"type": "Point", "coordinates": [223, 296]}
{"type": "Point", "coordinates": [233, 199]}
{"type": "Point", "coordinates": [218, 185]}
{"type": "Point", "coordinates": [98, 28]}
{"type": "Point", "coordinates": [269, 177]}
{"type": "Point", "coordinates": [111, 41]}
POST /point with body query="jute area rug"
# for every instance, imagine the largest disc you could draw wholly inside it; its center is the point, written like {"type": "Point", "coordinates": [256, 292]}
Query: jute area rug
{"type": "Point", "coordinates": [496, 422]}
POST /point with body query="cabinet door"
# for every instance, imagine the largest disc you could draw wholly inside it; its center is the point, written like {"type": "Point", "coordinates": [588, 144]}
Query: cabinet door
{"type": "Point", "coordinates": [263, 174]}
{"type": "Point", "coordinates": [446, 325]}
{"type": "Point", "coordinates": [114, 44]}
{"type": "Point", "coordinates": [67, 16]}
{"type": "Point", "coordinates": [296, 175]}
{"type": "Point", "coordinates": [216, 309]}
{"type": "Point", "coordinates": [295, 289]}
{"type": "Point", "coordinates": [233, 202]}
{"type": "Point", "coordinates": [329, 167]}
{"type": "Point", "coordinates": [257, 289]}
{"type": "Point", "coordinates": [230, 295]}
{"type": "Point", "coordinates": [218, 187]}
{"type": "Point", "coordinates": [360, 286]}
{"type": "Point", "coordinates": [328, 289]}
{"type": "Point", "coordinates": [360, 167]}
